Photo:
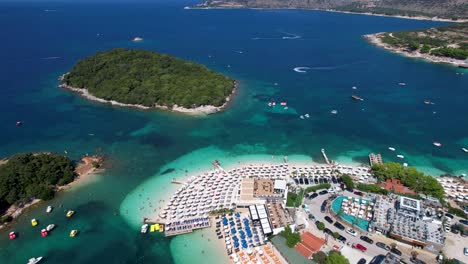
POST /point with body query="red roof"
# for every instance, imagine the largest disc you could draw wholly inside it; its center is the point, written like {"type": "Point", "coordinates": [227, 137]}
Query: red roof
{"type": "Point", "coordinates": [303, 250]}
{"type": "Point", "coordinates": [309, 244]}
{"type": "Point", "coordinates": [396, 186]}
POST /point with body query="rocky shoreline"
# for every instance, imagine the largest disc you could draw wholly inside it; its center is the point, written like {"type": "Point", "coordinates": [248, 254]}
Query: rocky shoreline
{"type": "Point", "coordinates": [376, 40]}
{"type": "Point", "coordinates": [201, 110]}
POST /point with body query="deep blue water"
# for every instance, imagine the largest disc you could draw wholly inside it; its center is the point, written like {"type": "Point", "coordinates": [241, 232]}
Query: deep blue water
{"type": "Point", "coordinates": [249, 45]}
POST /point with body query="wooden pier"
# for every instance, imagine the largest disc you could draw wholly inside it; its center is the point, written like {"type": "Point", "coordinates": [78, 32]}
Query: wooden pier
{"type": "Point", "coordinates": [325, 157]}
{"type": "Point", "coordinates": [175, 181]}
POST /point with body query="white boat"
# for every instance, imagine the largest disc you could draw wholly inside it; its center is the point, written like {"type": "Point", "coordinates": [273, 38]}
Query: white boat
{"type": "Point", "coordinates": [465, 150]}
{"type": "Point", "coordinates": [301, 117]}
{"type": "Point", "coordinates": [391, 148]}
{"type": "Point", "coordinates": [34, 260]}
{"type": "Point", "coordinates": [144, 228]}
{"type": "Point", "coordinates": [307, 115]}
{"type": "Point", "coordinates": [400, 156]}
{"type": "Point", "coordinates": [405, 164]}
{"type": "Point", "coordinates": [354, 87]}
{"type": "Point", "coordinates": [285, 108]}
{"type": "Point", "coordinates": [50, 227]}
{"type": "Point", "coordinates": [49, 209]}
{"type": "Point", "coordinates": [334, 112]}
{"type": "Point", "coordinates": [402, 84]}
{"type": "Point", "coordinates": [136, 39]}
{"type": "Point", "coordinates": [437, 144]}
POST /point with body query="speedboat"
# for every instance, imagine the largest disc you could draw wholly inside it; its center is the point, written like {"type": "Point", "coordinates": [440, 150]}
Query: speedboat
{"type": "Point", "coordinates": [73, 233]}
{"type": "Point", "coordinates": [285, 108]}
{"type": "Point", "coordinates": [402, 84]}
{"type": "Point", "coordinates": [34, 260]}
{"type": "Point", "coordinates": [44, 233]}
{"type": "Point", "coordinates": [391, 148]}
{"type": "Point", "coordinates": [437, 144]}
{"type": "Point", "coordinates": [50, 227]}
{"type": "Point", "coordinates": [354, 87]}
{"type": "Point", "coordinates": [70, 213]}
{"type": "Point", "coordinates": [34, 222]}
{"type": "Point", "coordinates": [144, 228]}
{"type": "Point", "coordinates": [12, 235]}
{"type": "Point", "coordinates": [136, 39]}
{"type": "Point", "coordinates": [270, 104]}
{"type": "Point", "coordinates": [400, 156]}
{"type": "Point", "coordinates": [405, 164]}
{"type": "Point", "coordinates": [19, 123]}
{"type": "Point", "coordinates": [307, 115]}
{"type": "Point", "coordinates": [49, 209]}
{"type": "Point", "coordinates": [283, 103]}
{"type": "Point", "coordinates": [301, 117]}
{"type": "Point", "coordinates": [465, 150]}
{"type": "Point", "coordinates": [334, 112]}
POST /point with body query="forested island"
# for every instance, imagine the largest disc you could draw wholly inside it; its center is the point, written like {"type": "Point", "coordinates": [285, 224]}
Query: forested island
{"type": "Point", "coordinates": [424, 9]}
{"type": "Point", "coordinates": [447, 44]}
{"type": "Point", "coordinates": [27, 178]}
{"type": "Point", "coordinates": [146, 79]}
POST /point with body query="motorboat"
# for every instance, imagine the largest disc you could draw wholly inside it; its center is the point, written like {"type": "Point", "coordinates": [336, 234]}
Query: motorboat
{"type": "Point", "coordinates": [19, 123]}
{"type": "Point", "coordinates": [402, 84]}
{"type": "Point", "coordinates": [391, 148]}
{"type": "Point", "coordinates": [144, 228]}
{"type": "Point", "coordinates": [283, 103]}
{"type": "Point", "coordinates": [437, 144]}
{"type": "Point", "coordinates": [405, 165]}
{"type": "Point", "coordinates": [400, 156]}
{"type": "Point", "coordinates": [465, 150]}
{"type": "Point", "coordinates": [334, 112]}
{"type": "Point", "coordinates": [73, 233]}
{"type": "Point", "coordinates": [285, 108]}
{"type": "Point", "coordinates": [301, 117]}
{"type": "Point", "coordinates": [44, 233]}
{"type": "Point", "coordinates": [355, 97]}
{"type": "Point", "coordinates": [34, 260]}
{"type": "Point", "coordinates": [49, 209]}
{"type": "Point", "coordinates": [12, 235]}
{"type": "Point", "coordinates": [70, 213]}
{"type": "Point", "coordinates": [34, 222]}
{"type": "Point", "coordinates": [50, 227]}
{"type": "Point", "coordinates": [307, 115]}
{"type": "Point", "coordinates": [137, 39]}
{"type": "Point", "coordinates": [354, 87]}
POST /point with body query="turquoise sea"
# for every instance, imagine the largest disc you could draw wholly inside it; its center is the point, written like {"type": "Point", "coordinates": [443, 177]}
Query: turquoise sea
{"type": "Point", "coordinates": [146, 149]}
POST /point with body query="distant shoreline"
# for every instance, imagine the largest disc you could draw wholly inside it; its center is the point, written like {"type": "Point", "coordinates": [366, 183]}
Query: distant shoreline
{"type": "Point", "coordinates": [375, 39]}
{"type": "Point", "coordinates": [337, 11]}
{"type": "Point", "coordinates": [201, 110]}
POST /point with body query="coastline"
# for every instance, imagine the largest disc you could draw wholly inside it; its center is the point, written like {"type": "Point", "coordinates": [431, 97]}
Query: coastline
{"type": "Point", "coordinates": [334, 11]}
{"type": "Point", "coordinates": [83, 172]}
{"type": "Point", "coordinates": [375, 40]}
{"type": "Point", "coordinates": [201, 110]}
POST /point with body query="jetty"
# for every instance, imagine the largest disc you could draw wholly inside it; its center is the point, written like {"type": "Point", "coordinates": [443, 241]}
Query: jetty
{"type": "Point", "coordinates": [325, 157]}
{"type": "Point", "coordinates": [375, 159]}
{"type": "Point", "coordinates": [175, 181]}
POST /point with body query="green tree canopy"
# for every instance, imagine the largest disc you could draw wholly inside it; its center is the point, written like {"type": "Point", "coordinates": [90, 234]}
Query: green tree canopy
{"type": "Point", "coordinates": [336, 258]}
{"type": "Point", "coordinates": [148, 78]}
{"type": "Point", "coordinates": [27, 176]}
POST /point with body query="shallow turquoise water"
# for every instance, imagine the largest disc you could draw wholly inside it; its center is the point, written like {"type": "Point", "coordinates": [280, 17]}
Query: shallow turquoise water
{"type": "Point", "coordinates": [359, 222]}
{"type": "Point", "coordinates": [146, 149]}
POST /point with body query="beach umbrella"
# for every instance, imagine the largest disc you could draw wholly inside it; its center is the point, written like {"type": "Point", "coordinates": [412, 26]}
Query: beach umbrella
{"type": "Point", "coordinates": [233, 231]}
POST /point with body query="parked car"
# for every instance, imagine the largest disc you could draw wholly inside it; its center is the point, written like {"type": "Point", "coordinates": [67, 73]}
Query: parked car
{"type": "Point", "coordinates": [323, 192]}
{"type": "Point", "coordinates": [362, 261]}
{"type": "Point", "coordinates": [465, 251]}
{"type": "Point", "coordinates": [311, 216]}
{"type": "Point", "coordinates": [360, 247]}
{"type": "Point", "coordinates": [342, 238]}
{"type": "Point", "coordinates": [358, 193]}
{"type": "Point", "coordinates": [449, 215]}
{"type": "Point", "coordinates": [455, 229]}
{"type": "Point", "coordinates": [464, 221]}
{"type": "Point", "coordinates": [396, 251]}
{"type": "Point", "coordinates": [339, 226]}
{"type": "Point", "coordinates": [382, 245]}
{"type": "Point", "coordinates": [312, 196]}
{"type": "Point", "coordinates": [351, 232]}
{"type": "Point", "coordinates": [328, 231]}
{"type": "Point", "coordinates": [367, 239]}
{"type": "Point", "coordinates": [328, 219]}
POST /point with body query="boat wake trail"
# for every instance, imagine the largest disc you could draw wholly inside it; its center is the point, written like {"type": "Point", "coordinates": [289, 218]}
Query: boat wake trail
{"type": "Point", "coordinates": [50, 58]}
{"type": "Point", "coordinates": [288, 36]}
{"type": "Point", "coordinates": [301, 69]}
{"type": "Point", "coordinates": [329, 68]}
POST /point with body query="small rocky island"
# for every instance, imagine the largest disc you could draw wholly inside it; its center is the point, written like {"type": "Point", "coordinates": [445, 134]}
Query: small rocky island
{"type": "Point", "coordinates": [146, 79]}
